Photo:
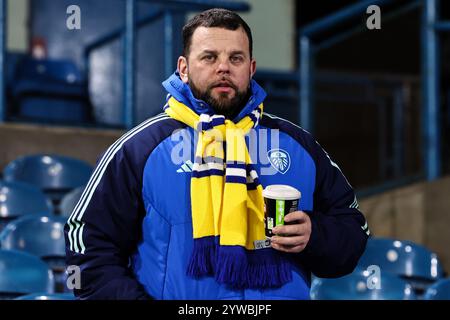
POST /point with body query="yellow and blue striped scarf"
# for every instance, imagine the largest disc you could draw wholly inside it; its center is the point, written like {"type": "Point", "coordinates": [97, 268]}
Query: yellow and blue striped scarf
{"type": "Point", "coordinates": [227, 204]}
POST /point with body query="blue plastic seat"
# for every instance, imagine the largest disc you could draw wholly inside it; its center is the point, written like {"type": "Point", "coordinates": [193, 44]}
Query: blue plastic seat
{"type": "Point", "coordinates": [362, 285]}
{"type": "Point", "coordinates": [439, 290]}
{"type": "Point", "coordinates": [413, 262]}
{"type": "Point", "coordinates": [50, 90]}
{"type": "Point", "coordinates": [42, 236]}
{"type": "Point", "coordinates": [55, 175]}
{"type": "Point", "coordinates": [22, 273]}
{"type": "Point", "coordinates": [69, 201]}
{"type": "Point", "coordinates": [19, 199]}
{"type": "Point", "coordinates": [47, 296]}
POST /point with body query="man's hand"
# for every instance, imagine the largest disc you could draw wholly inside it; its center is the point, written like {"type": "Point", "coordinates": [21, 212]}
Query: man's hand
{"type": "Point", "coordinates": [295, 236]}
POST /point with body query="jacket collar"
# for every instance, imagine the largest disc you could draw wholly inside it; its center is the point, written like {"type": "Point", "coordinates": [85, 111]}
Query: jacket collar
{"type": "Point", "coordinates": [182, 92]}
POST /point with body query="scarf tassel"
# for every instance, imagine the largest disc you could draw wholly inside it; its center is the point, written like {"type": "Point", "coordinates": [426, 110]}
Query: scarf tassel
{"type": "Point", "coordinates": [239, 268]}
{"type": "Point", "coordinates": [203, 258]}
{"type": "Point", "coordinates": [233, 265]}
{"type": "Point", "coordinates": [267, 269]}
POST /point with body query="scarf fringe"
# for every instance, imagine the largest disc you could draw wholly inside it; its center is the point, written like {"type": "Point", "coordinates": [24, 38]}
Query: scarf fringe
{"type": "Point", "coordinates": [267, 269]}
{"type": "Point", "coordinates": [239, 268]}
{"type": "Point", "coordinates": [233, 265]}
{"type": "Point", "coordinates": [203, 258]}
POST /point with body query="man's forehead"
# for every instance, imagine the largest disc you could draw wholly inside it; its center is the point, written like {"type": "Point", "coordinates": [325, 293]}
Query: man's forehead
{"type": "Point", "coordinates": [207, 38]}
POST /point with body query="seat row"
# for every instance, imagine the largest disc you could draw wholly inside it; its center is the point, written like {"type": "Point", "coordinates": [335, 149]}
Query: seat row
{"type": "Point", "coordinates": [389, 269]}
{"type": "Point", "coordinates": [37, 194]}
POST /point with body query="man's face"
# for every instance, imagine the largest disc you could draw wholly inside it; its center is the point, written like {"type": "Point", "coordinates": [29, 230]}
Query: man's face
{"type": "Point", "coordinates": [219, 68]}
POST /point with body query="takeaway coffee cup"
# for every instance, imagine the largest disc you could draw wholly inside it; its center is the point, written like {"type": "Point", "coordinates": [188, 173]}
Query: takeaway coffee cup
{"type": "Point", "coordinates": [279, 200]}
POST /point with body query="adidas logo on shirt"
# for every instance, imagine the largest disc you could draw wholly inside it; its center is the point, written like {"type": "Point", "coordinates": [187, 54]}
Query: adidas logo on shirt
{"type": "Point", "coordinates": [186, 167]}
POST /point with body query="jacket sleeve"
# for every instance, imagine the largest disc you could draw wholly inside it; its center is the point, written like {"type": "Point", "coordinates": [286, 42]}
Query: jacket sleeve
{"type": "Point", "coordinates": [104, 229]}
{"type": "Point", "coordinates": [339, 230]}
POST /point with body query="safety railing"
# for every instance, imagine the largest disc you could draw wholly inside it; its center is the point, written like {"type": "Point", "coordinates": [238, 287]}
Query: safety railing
{"type": "Point", "coordinates": [430, 26]}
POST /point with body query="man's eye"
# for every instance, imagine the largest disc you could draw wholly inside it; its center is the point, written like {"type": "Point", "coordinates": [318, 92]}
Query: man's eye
{"type": "Point", "coordinates": [208, 58]}
{"type": "Point", "coordinates": [236, 59]}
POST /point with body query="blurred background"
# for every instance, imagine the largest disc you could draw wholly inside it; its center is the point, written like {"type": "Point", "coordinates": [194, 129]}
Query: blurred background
{"type": "Point", "coordinates": [372, 85]}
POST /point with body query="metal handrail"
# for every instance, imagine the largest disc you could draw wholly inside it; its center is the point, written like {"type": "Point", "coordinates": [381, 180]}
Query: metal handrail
{"type": "Point", "coordinates": [430, 70]}
{"type": "Point", "coordinates": [308, 48]}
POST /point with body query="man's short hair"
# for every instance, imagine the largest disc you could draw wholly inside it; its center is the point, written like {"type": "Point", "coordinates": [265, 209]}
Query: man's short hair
{"type": "Point", "coordinates": [220, 18]}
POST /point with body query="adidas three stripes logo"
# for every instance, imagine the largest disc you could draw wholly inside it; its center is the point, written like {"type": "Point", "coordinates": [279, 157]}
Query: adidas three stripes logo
{"type": "Point", "coordinates": [186, 167]}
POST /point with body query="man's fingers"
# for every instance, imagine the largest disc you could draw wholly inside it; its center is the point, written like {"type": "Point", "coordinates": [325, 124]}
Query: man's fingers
{"type": "Point", "coordinates": [288, 241]}
{"type": "Point", "coordinates": [294, 229]}
{"type": "Point", "coordinates": [295, 216]}
{"type": "Point", "coordinates": [294, 236]}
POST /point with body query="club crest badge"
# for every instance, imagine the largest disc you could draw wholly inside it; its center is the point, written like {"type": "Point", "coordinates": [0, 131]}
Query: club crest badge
{"type": "Point", "coordinates": [280, 160]}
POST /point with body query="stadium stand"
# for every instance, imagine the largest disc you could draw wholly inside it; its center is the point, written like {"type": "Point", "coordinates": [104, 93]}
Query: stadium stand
{"type": "Point", "coordinates": [406, 259]}
{"type": "Point", "coordinates": [42, 236]}
{"type": "Point", "coordinates": [362, 285]}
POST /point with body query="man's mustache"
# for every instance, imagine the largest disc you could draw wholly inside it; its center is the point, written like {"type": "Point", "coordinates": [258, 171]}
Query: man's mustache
{"type": "Point", "coordinates": [223, 82]}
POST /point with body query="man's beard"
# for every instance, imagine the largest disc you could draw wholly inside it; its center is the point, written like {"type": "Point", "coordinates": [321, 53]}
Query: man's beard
{"type": "Point", "coordinates": [230, 108]}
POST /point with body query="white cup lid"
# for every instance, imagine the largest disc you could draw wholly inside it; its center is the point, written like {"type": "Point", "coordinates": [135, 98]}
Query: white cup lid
{"type": "Point", "coordinates": [281, 192]}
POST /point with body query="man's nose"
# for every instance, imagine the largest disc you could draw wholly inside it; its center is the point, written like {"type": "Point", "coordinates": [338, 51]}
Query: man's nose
{"type": "Point", "coordinates": [223, 66]}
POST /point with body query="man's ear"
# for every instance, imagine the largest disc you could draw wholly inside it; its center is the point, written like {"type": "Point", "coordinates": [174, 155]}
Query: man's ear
{"type": "Point", "coordinates": [183, 69]}
{"type": "Point", "coordinates": [252, 67]}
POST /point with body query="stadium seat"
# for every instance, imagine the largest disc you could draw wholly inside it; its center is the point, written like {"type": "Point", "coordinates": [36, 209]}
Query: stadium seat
{"type": "Point", "coordinates": [22, 273]}
{"type": "Point", "coordinates": [50, 91]}
{"type": "Point", "coordinates": [41, 236]}
{"type": "Point", "coordinates": [69, 201]}
{"type": "Point", "coordinates": [46, 296]}
{"type": "Point", "coordinates": [18, 199]}
{"type": "Point", "coordinates": [439, 290]}
{"type": "Point", "coordinates": [55, 175]}
{"type": "Point", "coordinates": [413, 262]}
{"type": "Point", "coordinates": [362, 285]}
